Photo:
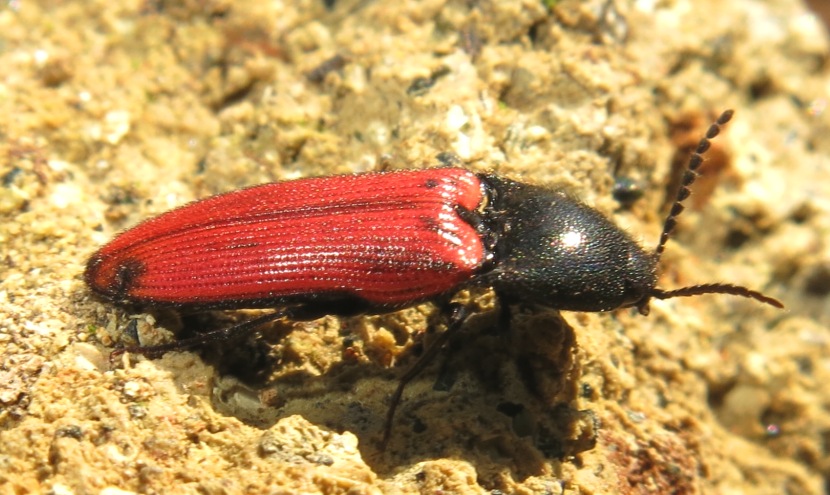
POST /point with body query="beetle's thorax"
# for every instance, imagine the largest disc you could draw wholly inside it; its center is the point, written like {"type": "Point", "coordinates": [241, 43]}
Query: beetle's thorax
{"type": "Point", "coordinates": [557, 252]}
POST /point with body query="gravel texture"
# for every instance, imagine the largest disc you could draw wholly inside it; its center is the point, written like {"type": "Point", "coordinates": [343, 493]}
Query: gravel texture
{"type": "Point", "coordinates": [115, 111]}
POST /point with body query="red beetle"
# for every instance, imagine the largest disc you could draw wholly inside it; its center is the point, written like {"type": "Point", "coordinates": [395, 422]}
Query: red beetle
{"type": "Point", "coordinates": [378, 242]}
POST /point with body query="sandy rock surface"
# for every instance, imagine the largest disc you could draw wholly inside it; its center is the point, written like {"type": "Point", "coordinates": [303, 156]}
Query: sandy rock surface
{"type": "Point", "coordinates": [111, 112]}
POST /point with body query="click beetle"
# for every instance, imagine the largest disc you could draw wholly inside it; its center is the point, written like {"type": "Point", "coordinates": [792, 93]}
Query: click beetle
{"type": "Point", "coordinates": [379, 242]}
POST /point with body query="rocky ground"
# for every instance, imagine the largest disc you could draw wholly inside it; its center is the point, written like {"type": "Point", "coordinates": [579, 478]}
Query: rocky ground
{"type": "Point", "coordinates": [114, 111]}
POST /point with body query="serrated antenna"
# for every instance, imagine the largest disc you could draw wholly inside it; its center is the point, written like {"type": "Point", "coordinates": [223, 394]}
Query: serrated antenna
{"type": "Point", "coordinates": [677, 208]}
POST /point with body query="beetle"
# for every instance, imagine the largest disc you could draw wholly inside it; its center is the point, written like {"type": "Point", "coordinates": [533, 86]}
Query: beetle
{"type": "Point", "coordinates": [379, 242]}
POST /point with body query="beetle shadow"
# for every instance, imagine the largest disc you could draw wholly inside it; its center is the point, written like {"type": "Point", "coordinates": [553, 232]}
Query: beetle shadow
{"type": "Point", "coordinates": [508, 402]}
{"type": "Point", "coordinates": [498, 398]}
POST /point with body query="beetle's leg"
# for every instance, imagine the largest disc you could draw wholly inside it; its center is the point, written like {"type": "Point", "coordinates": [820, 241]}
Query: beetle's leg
{"type": "Point", "coordinates": [222, 334]}
{"type": "Point", "coordinates": [455, 321]}
{"type": "Point", "coordinates": [446, 373]}
{"type": "Point", "coordinates": [505, 317]}
{"type": "Point", "coordinates": [501, 326]}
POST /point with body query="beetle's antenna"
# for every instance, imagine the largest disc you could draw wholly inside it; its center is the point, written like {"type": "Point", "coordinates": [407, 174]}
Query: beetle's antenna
{"type": "Point", "coordinates": [677, 208]}
{"type": "Point", "coordinates": [689, 178]}
{"type": "Point", "coordinates": [735, 290]}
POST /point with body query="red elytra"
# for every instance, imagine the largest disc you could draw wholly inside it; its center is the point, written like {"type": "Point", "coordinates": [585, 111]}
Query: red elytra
{"type": "Point", "coordinates": [390, 239]}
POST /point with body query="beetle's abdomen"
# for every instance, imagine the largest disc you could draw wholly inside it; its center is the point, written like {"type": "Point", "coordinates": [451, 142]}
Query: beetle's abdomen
{"type": "Point", "coordinates": [388, 239]}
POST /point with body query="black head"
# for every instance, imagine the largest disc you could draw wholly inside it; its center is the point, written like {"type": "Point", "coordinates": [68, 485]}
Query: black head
{"type": "Point", "coordinates": [555, 251]}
